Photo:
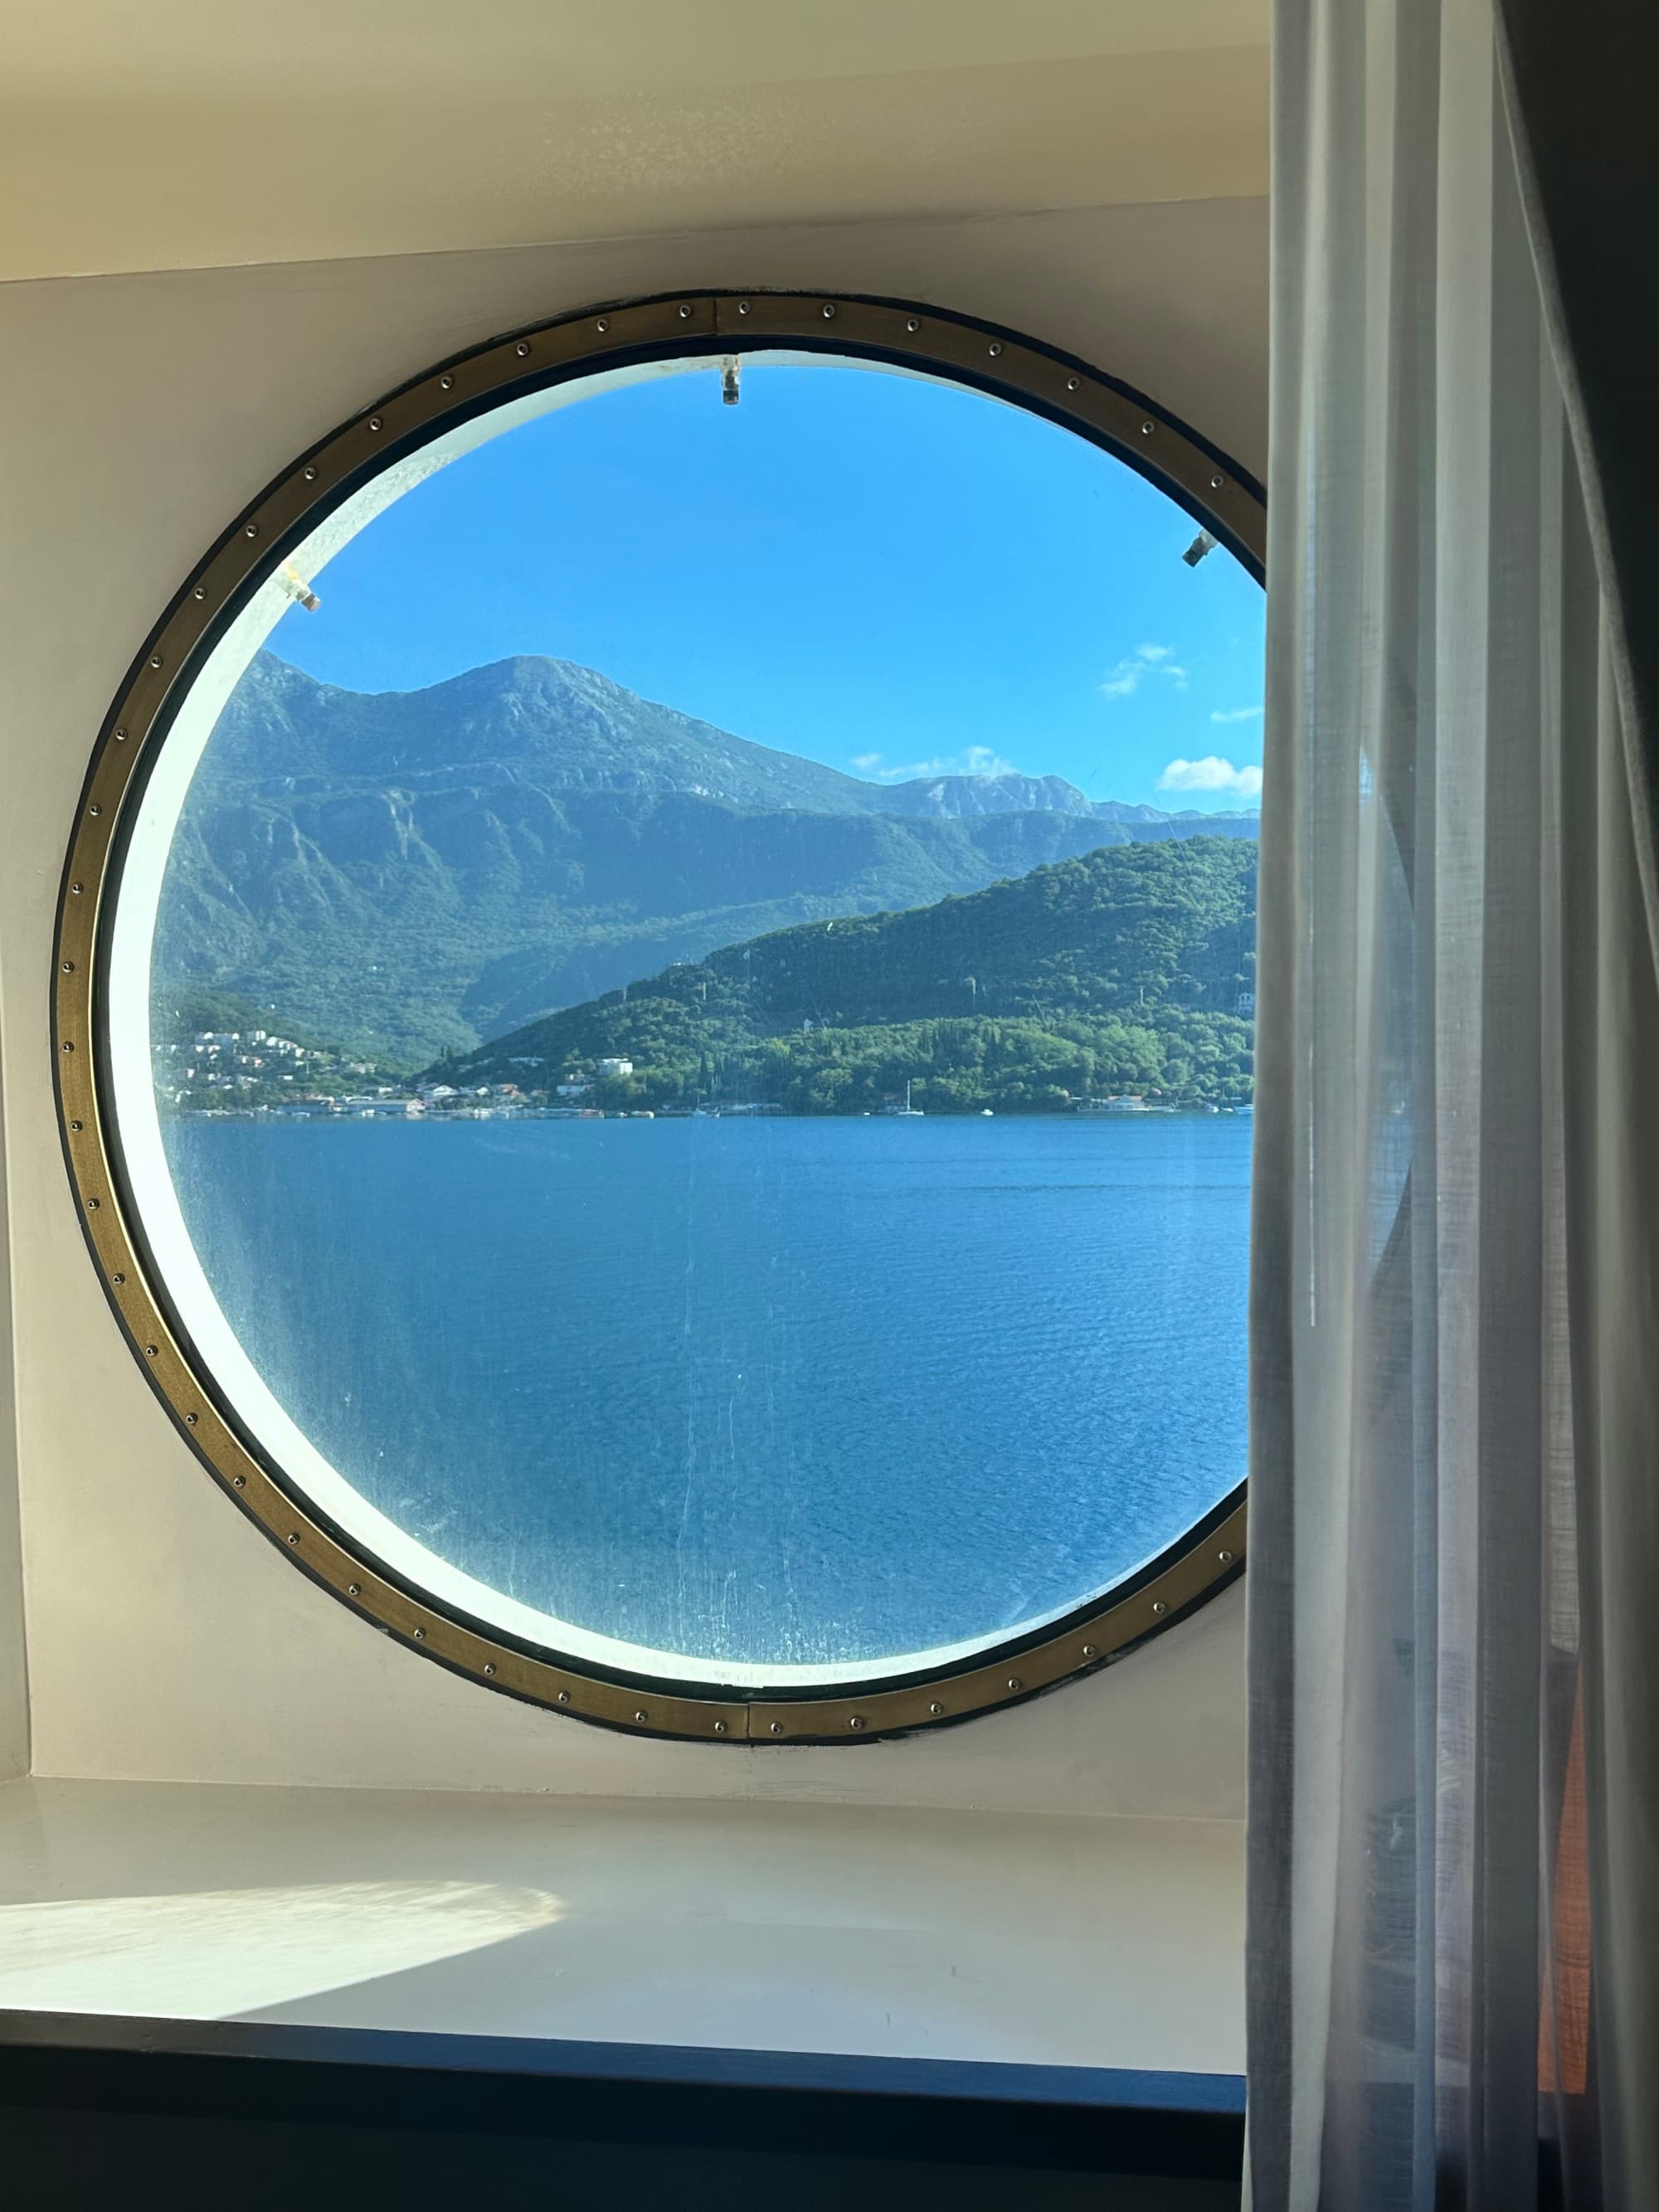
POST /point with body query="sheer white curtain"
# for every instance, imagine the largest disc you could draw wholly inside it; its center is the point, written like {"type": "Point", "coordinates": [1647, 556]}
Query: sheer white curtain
{"type": "Point", "coordinates": [1454, 1459]}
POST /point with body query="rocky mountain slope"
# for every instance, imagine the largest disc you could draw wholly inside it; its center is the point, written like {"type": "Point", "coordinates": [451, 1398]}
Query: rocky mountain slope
{"type": "Point", "coordinates": [406, 871]}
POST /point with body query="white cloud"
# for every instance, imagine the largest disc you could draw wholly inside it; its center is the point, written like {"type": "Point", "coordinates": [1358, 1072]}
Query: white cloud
{"type": "Point", "coordinates": [1145, 660]}
{"type": "Point", "coordinates": [1211, 774]}
{"type": "Point", "coordinates": [1236, 715]}
{"type": "Point", "coordinates": [972, 760]}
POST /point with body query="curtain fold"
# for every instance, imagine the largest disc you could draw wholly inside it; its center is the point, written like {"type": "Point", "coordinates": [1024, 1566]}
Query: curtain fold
{"type": "Point", "coordinates": [1455, 1398]}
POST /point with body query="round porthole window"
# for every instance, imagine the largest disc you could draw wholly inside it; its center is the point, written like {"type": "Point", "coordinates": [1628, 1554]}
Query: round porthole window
{"type": "Point", "coordinates": [655, 995]}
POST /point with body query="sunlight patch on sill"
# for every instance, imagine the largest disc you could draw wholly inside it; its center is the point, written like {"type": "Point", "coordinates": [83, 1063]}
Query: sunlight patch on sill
{"type": "Point", "coordinates": [207, 1954]}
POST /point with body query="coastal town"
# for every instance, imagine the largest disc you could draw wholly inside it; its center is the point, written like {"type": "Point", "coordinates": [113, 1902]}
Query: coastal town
{"type": "Point", "coordinates": [256, 1072]}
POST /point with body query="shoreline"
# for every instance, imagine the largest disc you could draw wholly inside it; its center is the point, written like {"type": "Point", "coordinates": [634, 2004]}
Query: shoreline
{"type": "Point", "coordinates": [394, 1118]}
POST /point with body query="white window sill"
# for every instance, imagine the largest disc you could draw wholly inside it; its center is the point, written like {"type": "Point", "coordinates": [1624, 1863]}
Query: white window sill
{"type": "Point", "coordinates": [883, 1932]}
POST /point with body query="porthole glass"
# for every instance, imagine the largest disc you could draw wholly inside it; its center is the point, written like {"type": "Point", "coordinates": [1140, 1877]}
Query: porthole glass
{"type": "Point", "coordinates": [678, 989]}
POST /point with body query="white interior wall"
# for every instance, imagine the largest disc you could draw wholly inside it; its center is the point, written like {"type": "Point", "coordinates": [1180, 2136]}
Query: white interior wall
{"type": "Point", "coordinates": [184, 134]}
{"type": "Point", "coordinates": [14, 1661]}
{"type": "Point", "coordinates": [165, 1639]}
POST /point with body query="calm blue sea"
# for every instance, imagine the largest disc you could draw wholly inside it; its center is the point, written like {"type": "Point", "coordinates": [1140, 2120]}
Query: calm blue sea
{"type": "Point", "coordinates": [769, 1390]}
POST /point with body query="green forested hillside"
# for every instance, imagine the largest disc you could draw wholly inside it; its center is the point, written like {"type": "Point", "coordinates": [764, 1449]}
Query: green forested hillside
{"type": "Point", "coordinates": [1131, 968]}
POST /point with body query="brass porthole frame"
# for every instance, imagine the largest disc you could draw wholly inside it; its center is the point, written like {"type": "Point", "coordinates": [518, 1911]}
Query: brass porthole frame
{"type": "Point", "coordinates": [1221, 498]}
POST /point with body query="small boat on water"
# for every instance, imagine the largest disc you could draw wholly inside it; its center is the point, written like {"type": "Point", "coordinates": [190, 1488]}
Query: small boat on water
{"type": "Point", "coordinates": [905, 1113]}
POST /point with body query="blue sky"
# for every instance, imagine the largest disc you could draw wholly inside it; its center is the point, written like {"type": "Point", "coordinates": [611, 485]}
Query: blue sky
{"type": "Point", "coordinates": [890, 576]}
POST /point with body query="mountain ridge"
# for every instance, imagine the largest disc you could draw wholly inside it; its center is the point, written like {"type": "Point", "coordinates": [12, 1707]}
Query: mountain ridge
{"type": "Point", "coordinates": [570, 694]}
{"type": "Point", "coordinates": [411, 871]}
